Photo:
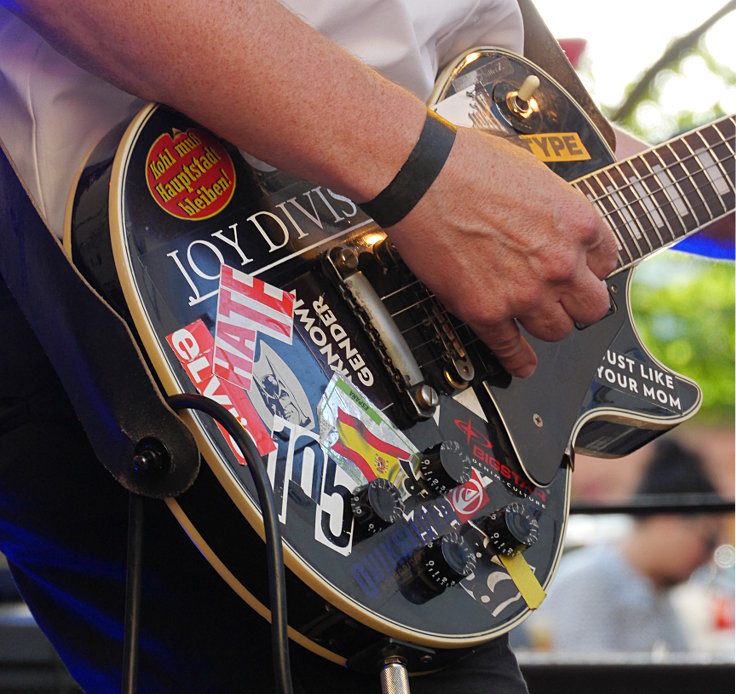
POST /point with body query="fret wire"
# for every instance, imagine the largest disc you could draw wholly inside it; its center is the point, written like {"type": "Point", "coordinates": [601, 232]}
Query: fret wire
{"type": "Point", "coordinates": [616, 212]}
{"type": "Point", "coordinates": [647, 182]}
{"type": "Point", "coordinates": [622, 209]}
{"type": "Point", "coordinates": [674, 182]}
{"type": "Point", "coordinates": [726, 138]}
{"type": "Point", "coordinates": [653, 179]}
{"type": "Point", "coordinates": [709, 147]}
{"type": "Point", "coordinates": [636, 206]}
{"type": "Point", "coordinates": [651, 195]}
{"type": "Point", "coordinates": [708, 190]}
{"type": "Point", "coordinates": [598, 201]}
{"type": "Point", "coordinates": [715, 127]}
{"type": "Point", "coordinates": [642, 199]}
{"type": "Point", "coordinates": [715, 163]}
{"type": "Point", "coordinates": [617, 223]}
{"type": "Point", "coordinates": [719, 162]}
{"type": "Point", "coordinates": [708, 179]}
{"type": "Point", "coordinates": [641, 179]}
{"type": "Point", "coordinates": [660, 210]}
{"type": "Point", "coordinates": [670, 148]}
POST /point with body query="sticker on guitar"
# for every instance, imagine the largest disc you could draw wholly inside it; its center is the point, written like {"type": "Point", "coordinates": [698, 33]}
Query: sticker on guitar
{"type": "Point", "coordinates": [189, 174]}
{"type": "Point", "coordinates": [247, 307]}
{"type": "Point", "coordinates": [193, 346]}
{"type": "Point", "coordinates": [643, 380]}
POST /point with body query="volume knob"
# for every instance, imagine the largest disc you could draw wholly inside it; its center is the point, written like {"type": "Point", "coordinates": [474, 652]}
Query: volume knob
{"type": "Point", "coordinates": [375, 506]}
{"type": "Point", "coordinates": [511, 529]}
{"type": "Point", "coordinates": [444, 467]}
{"type": "Point", "coordinates": [437, 566]}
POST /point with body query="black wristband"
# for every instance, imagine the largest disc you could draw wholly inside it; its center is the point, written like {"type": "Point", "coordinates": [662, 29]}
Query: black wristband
{"type": "Point", "coordinates": [417, 174]}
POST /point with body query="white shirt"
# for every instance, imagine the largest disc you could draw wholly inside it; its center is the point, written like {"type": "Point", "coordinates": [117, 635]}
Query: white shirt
{"type": "Point", "coordinates": [52, 113]}
{"type": "Point", "coordinates": [599, 603]}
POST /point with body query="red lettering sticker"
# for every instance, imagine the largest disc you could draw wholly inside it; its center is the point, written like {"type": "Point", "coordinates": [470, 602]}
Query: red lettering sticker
{"type": "Point", "coordinates": [247, 306]}
{"type": "Point", "coordinates": [194, 348]}
{"type": "Point", "coordinates": [190, 174]}
{"type": "Point", "coordinates": [468, 498]}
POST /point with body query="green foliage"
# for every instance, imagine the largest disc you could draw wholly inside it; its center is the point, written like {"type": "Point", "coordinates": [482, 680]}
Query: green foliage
{"type": "Point", "coordinates": [641, 111]}
{"type": "Point", "coordinates": [683, 307]}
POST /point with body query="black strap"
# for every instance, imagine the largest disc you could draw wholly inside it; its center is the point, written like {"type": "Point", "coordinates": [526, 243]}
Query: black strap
{"type": "Point", "coordinates": [417, 174]}
{"type": "Point", "coordinates": [92, 351]}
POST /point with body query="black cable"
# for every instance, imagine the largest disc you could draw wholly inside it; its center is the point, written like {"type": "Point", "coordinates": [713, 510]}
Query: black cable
{"type": "Point", "coordinates": [274, 553]}
{"type": "Point", "coordinates": [133, 593]}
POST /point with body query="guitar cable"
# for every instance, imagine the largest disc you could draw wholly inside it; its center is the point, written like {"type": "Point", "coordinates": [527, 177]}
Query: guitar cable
{"type": "Point", "coordinates": [274, 552]}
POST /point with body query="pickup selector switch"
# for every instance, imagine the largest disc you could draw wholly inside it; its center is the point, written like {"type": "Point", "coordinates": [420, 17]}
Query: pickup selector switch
{"type": "Point", "coordinates": [511, 529]}
{"type": "Point", "coordinates": [375, 506]}
{"type": "Point", "coordinates": [444, 467]}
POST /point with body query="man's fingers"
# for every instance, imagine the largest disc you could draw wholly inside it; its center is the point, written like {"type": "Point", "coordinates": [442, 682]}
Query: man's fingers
{"type": "Point", "coordinates": [602, 258]}
{"type": "Point", "coordinates": [509, 347]}
{"type": "Point", "coordinates": [551, 322]}
{"type": "Point", "coordinates": [589, 303]}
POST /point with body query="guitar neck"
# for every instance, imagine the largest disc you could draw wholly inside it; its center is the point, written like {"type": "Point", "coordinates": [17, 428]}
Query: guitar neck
{"type": "Point", "coordinates": [660, 196]}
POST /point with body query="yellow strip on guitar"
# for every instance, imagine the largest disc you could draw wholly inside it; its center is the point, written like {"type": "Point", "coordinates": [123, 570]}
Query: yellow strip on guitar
{"type": "Point", "coordinates": [525, 580]}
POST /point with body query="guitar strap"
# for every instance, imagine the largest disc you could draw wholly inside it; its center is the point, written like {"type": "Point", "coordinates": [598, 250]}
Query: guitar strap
{"type": "Point", "coordinates": [543, 49]}
{"type": "Point", "coordinates": [91, 349]}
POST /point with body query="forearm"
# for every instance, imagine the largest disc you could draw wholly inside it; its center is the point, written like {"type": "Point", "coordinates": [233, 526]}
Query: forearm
{"type": "Point", "coordinates": [260, 78]}
{"type": "Point", "coordinates": [253, 73]}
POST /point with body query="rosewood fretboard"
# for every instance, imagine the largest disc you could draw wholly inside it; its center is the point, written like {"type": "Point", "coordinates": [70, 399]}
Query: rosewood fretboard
{"type": "Point", "coordinates": [660, 196]}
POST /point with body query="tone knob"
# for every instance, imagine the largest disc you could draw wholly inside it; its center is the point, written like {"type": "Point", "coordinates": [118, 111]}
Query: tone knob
{"type": "Point", "coordinates": [437, 566]}
{"type": "Point", "coordinates": [375, 506]}
{"type": "Point", "coordinates": [511, 529]}
{"type": "Point", "coordinates": [444, 467]}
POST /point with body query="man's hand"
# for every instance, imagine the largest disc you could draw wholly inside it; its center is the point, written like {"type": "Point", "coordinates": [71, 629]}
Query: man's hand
{"type": "Point", "coordinates": [502, 241]}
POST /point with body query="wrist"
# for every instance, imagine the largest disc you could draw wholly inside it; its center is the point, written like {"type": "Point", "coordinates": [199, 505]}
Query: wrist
{"type": "Point", "coordinates": [416, 175]}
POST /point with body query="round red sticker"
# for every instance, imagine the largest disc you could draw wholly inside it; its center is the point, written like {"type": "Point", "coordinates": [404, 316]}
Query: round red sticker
{"type": "Point", "coordinates": [190, 174]}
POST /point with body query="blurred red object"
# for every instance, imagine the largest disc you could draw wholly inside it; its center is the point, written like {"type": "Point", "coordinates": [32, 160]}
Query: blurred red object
{"type": "Point", "coordinates": [573, 49]}
{"type": "Point", "coordinates": [724, 613]}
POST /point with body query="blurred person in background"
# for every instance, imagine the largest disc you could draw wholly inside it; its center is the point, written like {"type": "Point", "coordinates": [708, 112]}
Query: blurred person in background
{"type": "Point", "coordinates": [616, 596]}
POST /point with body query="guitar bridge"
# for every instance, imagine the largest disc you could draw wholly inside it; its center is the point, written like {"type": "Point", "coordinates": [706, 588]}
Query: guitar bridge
{"type": "Point", "coordinates": [406, 325]}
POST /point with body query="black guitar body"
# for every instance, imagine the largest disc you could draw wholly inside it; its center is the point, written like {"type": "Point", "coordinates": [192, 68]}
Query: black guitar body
{"type": "Point", "coordinates": [156, 218]}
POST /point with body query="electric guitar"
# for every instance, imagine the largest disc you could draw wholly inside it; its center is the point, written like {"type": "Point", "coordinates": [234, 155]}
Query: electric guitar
{"type": "Point", "coordinates": [423, 492]}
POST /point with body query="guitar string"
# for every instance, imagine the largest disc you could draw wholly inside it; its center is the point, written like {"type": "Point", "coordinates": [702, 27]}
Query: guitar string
{"type": "Point", "coordinates": [459, 327]}
{"type": "Point", "coordinates": [606, 214]}
{"type": "Point", "coordinates": [622, 217]}
{"type": "Point", "coordinates": [640, 200]}
{"type": "Point", "coordinates": [680, 161]}
{"type": "Point", "coordinates": [648, 178]}
{"type": "Point", "coordinates": [714, 127]}
{"type": "Point", "coordinates": [617, 190]}
{"type": "Point", "coordinates": [628, 205]}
